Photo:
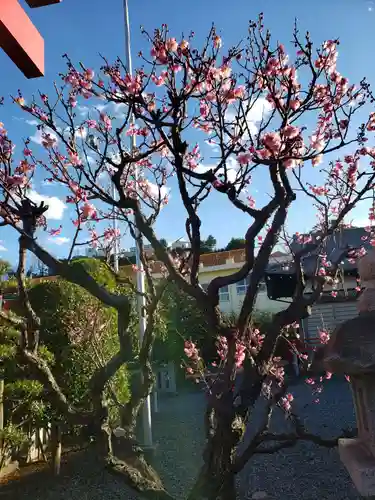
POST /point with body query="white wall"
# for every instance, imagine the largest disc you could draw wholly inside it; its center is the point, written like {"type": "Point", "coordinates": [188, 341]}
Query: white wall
{"type": "Point", "coordinates": [263, 303]}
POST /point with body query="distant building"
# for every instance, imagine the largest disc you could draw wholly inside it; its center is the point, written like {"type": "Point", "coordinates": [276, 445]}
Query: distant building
{"type": "Point", "coordinates": [231, 297]}
{"type": "Point", "coordinates": [149, 250]}
{"type": "Point", "coordinates": [95, 253]}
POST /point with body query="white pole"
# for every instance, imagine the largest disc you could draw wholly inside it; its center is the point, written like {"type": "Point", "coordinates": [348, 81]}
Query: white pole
{"type": "Point", "coordinates": [116, 241]}
{"type": "Point", "coordinates": [146, 411]}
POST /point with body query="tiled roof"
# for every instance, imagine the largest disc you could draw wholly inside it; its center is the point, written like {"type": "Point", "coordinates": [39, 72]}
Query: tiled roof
{"type": "Point", "coordinates": [353, 237]}
{"type": "Point", "coordinates": [209, 260]}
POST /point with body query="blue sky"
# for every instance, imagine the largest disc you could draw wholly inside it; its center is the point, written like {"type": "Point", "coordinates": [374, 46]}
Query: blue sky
{"type": "Point", "coordinates": [86, 28]}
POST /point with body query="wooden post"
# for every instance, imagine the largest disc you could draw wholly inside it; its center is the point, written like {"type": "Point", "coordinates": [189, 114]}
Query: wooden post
{"type": "Point", "coordinates": [56, 448]}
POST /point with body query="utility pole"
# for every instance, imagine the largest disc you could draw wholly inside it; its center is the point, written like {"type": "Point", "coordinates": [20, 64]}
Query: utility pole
{"type": "Point", "coordinates": [141, 299]}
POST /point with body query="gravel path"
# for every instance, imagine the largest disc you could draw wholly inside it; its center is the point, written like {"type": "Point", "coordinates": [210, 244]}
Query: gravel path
{"type": "Point", "coordinates": [303, 472]}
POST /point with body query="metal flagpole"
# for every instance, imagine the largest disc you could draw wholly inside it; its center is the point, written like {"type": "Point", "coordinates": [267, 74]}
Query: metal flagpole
{"type": "Point", "coordinates": [116, 240]}
{"type": "Point", "coordinates": [146, 411]}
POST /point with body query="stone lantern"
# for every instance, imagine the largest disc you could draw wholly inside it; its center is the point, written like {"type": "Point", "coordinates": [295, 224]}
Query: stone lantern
{"type": "Point", "coordinates": [351, 351]}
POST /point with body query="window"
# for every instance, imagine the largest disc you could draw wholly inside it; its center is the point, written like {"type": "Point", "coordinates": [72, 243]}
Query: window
{"type": "Point", "coordinates": [224, 294]}
{"type": "Point", "coordinates": [242, 286]}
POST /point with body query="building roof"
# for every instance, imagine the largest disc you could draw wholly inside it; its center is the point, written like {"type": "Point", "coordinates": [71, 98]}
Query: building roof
{"type": "Point", "coordinates": [208, 260]}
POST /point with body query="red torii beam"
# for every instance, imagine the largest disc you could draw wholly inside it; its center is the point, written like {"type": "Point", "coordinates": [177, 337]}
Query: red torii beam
{"type": "Point", "coordinates": [19, 38]}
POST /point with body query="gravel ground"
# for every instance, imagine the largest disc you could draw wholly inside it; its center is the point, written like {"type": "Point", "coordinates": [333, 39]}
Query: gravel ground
{"type": "Point", "coordinates": [303, 472]}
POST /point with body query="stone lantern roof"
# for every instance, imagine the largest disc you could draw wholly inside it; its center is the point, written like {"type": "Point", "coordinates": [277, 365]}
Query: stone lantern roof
{"type": "Point", "coordinates": [351, 348]}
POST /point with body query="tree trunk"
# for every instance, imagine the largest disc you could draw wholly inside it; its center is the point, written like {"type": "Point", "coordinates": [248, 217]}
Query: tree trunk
{"type": "Point", "coordinates": [216, 480]}
{"type": "Point", "coordinates": [212, 487]}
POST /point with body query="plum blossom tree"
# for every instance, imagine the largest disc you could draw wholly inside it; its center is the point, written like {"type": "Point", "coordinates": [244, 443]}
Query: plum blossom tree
{"type": "Point", "coordinates": [179, 97]}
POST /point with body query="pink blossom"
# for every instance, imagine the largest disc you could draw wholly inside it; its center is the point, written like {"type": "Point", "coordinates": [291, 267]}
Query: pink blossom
{"type": "Point", "coordinates": [191, 350]}
{"type": "Point", "coordinates": [184, 45]}
{"type": "Point", "coordinates": [106, 120]}
{"type": "Point", "coordinates": [216, 183]}
{"type": "Point", "coordinates": [111, 233]}
{"type": "Point", "coordinates": [217, 42]}
{"type": "Point", "coordinates": [294, 104]}
{"type": "Point", "coordinates": [324, 336]}
{"type": "Point", "coordinates": [289, 163]}
{"type": "Point", "coordinates": [171, 44]}
{"type": "Point", "coordinates": [137, 269]}
{"type": "Point", "coordinates": [239, 92]}
{"type": "Point", "coordinates": [16, 180]}
{"type": "Point", "coordinates": [74, 158]}
{"type": "Point", "coordinates": [94, 238]}
{"type": "Point", "coordinates": [371, 123]}
{"type": "Point", "coordinates": [48, 141]}
{"type": "Point", "coordinates": [286, 401]}
{"type": "Point", "coordinates": [343, 124]}
{"type": "Point", "coordinates": [89, 74]}
{"type": "Point", "coordinates": [240, 354]}
{"type": "Point", "coordinates": [159, 80]}
{"type": "Point", "coordinates": [322, 272]}
{"type": "Point", "coordinates": [317, 160]}
{"type": "Point", "coordinates": [290, 131]}
{"type": "Point", "coordinates": [272, 141]}
{"type": "Point", "coordinates": [88, 211]}
{"type": "Point", "coordinates": [55, 232]}
{"type": "Point", "coordinates": [133, 84]}
{"type": "Point", "coordinates": [91, 123]}
{"type": "Point", "coordinates": [27, 152]}
{"type": "Point", "coordinates": [20, 100]}
{"type": "Point", "coordinates": [72, 101]}
{"type": "Point", "coordinates": [244, 158]}
{"type": "Point", "coordinates": [24, 167]}
{"type": "Point", "coordinates": [251, 201]}
{"type": "Point", "coordinates": [204, 109]}
{"type": "Point", "coordinates": [317, 142]}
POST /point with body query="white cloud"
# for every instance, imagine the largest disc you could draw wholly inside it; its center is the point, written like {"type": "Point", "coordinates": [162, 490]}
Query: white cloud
{"type": "Point", "coordinates": [215, 148]}
{"type": "Point", "coordinates": [153, 190]}
{"type": "Point", "coordinates": [2, 247]}
{"type": "Point", "coordinates": [260, 109]}
{"type": "Point", "coordinates": [119, 110]}
{"type": "Point", "coordinates": [370, 6]}
{"type": "Point", "coordinates": [56, 206]}
{"type": "Point", "coordinates": [231, 168]}
{"type": "Point", "coordinates": [102, 107]}
{"type": "Point", "coordinates": [58, 240]}
{"type": "Point", "coordinates": [46, 183]}
{"type": "Point", "coordinates": [81, 132]}
{"type": "Point", "coordinates": [38, 135]}
{"type": "Point", "coordinates": [83, 110]}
